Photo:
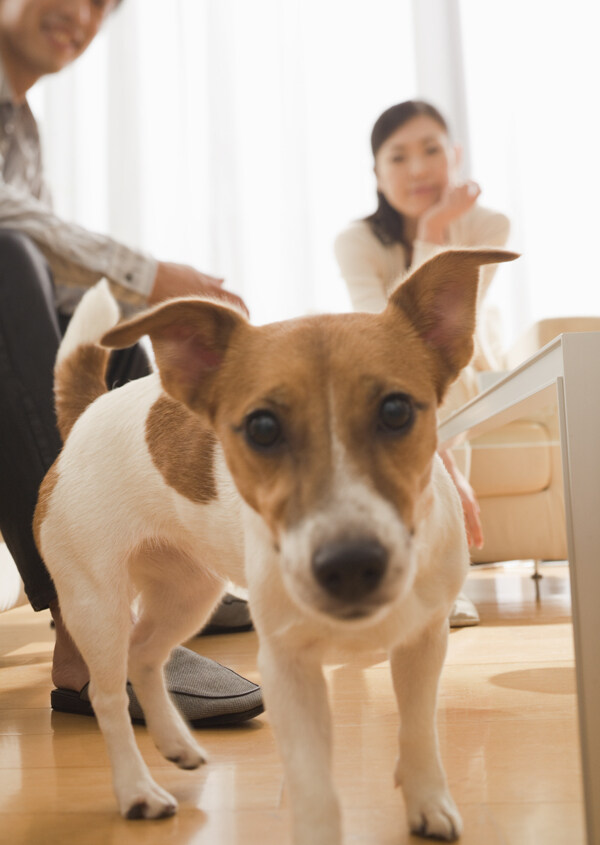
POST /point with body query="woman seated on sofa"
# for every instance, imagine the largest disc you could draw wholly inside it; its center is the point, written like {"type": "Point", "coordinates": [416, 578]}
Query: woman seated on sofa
{"type": "Point", "coordinates": [422, 208]}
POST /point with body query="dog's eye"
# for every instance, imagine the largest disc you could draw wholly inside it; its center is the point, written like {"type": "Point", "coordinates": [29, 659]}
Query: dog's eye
{"type": "Point", "coordinates": [263, 429]}
{"type": "Point", "coordinates": [396, 413]}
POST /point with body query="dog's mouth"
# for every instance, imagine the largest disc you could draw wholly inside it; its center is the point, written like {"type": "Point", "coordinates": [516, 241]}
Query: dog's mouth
{"type": "Point", "coordinates": [359, 612]}
{"type": "Point", "coordinates": [355, 613]}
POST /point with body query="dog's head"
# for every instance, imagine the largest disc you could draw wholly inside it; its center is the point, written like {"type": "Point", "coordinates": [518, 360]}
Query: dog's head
{"type": "Point", "coordinates": [328, 423]}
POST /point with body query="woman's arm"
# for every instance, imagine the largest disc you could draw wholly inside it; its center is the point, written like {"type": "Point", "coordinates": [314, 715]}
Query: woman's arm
{"type": "Point", "coordinates": [468, 501]}
{"type": "Point", "coordinates": [360, 267]}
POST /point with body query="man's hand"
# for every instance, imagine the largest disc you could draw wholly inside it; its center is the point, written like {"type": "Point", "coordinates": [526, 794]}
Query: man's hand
{"type": "Point", "coordinates": [180, 280]}
{"type": "Point", "coordinates": [454, 202]}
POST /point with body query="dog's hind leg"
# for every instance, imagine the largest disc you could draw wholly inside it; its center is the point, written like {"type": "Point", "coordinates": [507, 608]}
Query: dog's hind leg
{"type": "Point", "coordinates": [416, 671]}
{"type": "Point", "coordinates": [176, 598]}
{"type": "Point", "coordinates": [98, 616]}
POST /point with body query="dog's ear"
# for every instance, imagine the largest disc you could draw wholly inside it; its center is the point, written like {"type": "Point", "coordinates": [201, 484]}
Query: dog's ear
{"type": "Point", "coordinates": [440, 300]}
{"type": "Point", "coordinates": [189, 337]}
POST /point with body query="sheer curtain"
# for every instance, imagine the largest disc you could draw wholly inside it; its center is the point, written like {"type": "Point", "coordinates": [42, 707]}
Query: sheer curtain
{"type": "Point", "coordinates": [532, 72]}
{"type": "Point", "coordinates": [231, 135]}
{"type": "Point", "coordinates": [234, 135]}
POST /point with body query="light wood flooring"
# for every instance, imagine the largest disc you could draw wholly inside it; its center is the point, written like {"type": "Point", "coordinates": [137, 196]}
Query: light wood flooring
{"type": "Point", "coordinates": [507, 719]}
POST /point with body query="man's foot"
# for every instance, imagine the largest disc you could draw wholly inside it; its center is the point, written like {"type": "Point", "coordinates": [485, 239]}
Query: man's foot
{"type": "Point", "coordinates": [68, 666]}
{"type": "Point", "coordinates": [232, 616]}
{"type": "Point", "coordinates": [205, 692]}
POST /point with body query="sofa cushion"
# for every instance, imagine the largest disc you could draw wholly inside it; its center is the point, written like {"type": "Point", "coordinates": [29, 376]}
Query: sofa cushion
{"type": "Point", "coordinates": [514, 459]}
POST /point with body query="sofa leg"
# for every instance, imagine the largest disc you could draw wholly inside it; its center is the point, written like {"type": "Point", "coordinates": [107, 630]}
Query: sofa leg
{"type": "Point", "coordinates": [536, 570]}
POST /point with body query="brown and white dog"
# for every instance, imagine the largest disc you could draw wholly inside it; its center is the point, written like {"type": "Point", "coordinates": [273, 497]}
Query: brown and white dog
{"type": "Point", "coordinates": [304, 449]}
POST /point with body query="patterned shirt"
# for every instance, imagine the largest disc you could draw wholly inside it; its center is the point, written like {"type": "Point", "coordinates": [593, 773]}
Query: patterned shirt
{"type": "Point", "coordinates": [78, 258]}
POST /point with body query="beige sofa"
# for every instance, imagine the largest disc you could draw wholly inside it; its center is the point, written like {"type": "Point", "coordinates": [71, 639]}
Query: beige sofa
{"type": "Point", "coordinates": [516, 471]}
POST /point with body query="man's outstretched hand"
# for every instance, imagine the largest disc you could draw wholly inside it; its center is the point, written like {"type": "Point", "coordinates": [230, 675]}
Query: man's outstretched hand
{"type": "Point", "coordinates": [181, 280]}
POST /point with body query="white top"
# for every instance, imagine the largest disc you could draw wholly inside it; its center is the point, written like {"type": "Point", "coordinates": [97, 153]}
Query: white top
{"type": "Point", "coordinates": [373, 270]}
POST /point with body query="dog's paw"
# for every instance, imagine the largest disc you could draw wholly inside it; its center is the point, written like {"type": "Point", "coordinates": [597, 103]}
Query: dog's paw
{"type": "Point", "coordinates": [187, 758]}
{"type": "Point", "coordinates": [184, 752]}
{"type": "Point", "coordinates": [436, 817]}
{"type": "Point", "coordinates": [149, 801]}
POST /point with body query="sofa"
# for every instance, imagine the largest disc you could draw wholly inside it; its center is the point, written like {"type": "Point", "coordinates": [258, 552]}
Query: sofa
{"type": "Point", "coordinates": [516, 471]}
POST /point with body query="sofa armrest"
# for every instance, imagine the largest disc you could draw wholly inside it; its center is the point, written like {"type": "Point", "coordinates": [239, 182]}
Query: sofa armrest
{"type": "Point", "coordinates": [543, 332]}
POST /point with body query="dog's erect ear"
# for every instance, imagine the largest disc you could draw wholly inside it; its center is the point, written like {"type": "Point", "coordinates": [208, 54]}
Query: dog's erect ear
{"type": "Point", "coordinates": [440, 299]}
{"type": "Point", "coordinates": [189, 336]}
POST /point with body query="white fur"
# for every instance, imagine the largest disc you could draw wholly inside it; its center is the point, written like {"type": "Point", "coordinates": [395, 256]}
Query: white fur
{"type": "Point", "coordinates": [352, 507]}
{"type": "Point", "coordinates": [96, 314]}
{"type": "Point", "coordinates": [113, 527]}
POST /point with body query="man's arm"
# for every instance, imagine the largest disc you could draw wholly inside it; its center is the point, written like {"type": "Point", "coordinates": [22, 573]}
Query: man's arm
{"type": "Point", "coordinates": [79, 258]}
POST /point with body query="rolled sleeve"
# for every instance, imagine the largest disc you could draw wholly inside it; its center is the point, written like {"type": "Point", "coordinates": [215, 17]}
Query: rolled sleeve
{"type": "Point", "coordinates": [133, 271]}
{"type": "Point", "coordinates": [77, 257]}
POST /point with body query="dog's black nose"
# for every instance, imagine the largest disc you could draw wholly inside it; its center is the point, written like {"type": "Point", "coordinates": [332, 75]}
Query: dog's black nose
{"type": "Point", "coordinates": [350, 570]}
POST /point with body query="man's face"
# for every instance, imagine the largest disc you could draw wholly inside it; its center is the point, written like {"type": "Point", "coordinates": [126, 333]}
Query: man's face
{"type": "Point", "coordinates": [43, 36]}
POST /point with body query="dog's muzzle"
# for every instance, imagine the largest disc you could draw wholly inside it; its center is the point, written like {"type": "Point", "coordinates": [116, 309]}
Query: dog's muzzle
{"type": "Point", "coordinates": [350, 570]}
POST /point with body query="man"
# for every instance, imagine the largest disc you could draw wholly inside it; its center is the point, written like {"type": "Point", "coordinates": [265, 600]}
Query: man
{"type": "Point", "coordinates": [45, 264]}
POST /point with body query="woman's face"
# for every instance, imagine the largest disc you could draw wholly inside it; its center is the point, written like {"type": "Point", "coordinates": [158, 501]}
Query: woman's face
{"type": "Point", "coordinates": [414, 166]}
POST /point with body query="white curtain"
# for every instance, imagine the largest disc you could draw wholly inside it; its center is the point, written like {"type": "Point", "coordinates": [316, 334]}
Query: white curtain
{"type": "Point", "coordinates": [234, 135]}
{"type": "Point", "coordinates": [532, 72]}
{"type": "Point", "coordinates": [231, 135]}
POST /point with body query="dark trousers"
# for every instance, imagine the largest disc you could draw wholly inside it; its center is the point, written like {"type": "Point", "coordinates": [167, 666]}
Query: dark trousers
{"type": "Point", "coordinates": [30, 332]}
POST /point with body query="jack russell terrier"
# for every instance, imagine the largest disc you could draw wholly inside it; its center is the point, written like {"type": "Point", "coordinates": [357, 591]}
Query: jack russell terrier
{"type": "Point", "coordinates": [303, 452]}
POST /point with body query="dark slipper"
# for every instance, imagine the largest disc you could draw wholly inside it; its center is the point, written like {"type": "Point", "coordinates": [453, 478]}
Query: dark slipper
{"type": "Point", "coordinates": [205, 692]}
{"type": "Point", "coordinates": [232, 616]}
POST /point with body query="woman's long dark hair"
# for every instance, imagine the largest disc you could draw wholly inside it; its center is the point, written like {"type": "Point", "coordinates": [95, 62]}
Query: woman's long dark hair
{"type": "Point", "coordinates": [386, 223]}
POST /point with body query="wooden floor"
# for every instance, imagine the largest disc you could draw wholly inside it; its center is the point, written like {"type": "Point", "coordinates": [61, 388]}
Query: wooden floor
{"type": "Point", "coordinates": [507, 718]}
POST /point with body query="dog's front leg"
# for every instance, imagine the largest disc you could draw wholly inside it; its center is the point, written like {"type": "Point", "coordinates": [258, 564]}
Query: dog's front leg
{"type": "Point", "coordinates": [416, 670]}
{"type": "Point", "coordinates": [297, 702]}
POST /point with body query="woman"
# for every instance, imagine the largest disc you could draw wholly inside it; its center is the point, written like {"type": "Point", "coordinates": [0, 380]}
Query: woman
{"type": "Point", "coordinates": [423, 207]}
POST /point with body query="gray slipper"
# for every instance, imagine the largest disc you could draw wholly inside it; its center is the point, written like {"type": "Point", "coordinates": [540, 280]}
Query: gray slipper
{"type": "Point", "coordinates": [232, 616]}
{"type": "Point", "coordinates": [205, 692]}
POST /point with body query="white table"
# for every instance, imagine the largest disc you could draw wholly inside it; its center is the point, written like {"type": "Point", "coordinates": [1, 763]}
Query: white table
{"type": "Point", "coordinates": [565, 372]}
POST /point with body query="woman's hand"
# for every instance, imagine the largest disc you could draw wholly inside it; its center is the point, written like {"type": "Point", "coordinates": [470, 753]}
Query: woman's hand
{"type": "Point", "coordinates": [455, 201]}
{"type": "Point", "coordinates": [468, 501]}
{"type": "Point", "coordinates": [182, 280]}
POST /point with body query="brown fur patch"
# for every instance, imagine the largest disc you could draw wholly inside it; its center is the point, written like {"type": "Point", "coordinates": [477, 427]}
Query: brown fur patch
{"type": "Point", "coordinates": [46, 489]}
{"type": "Point", "coordinates": [78, 381]}
{"type": "Point", "coordinates": [182, 449]}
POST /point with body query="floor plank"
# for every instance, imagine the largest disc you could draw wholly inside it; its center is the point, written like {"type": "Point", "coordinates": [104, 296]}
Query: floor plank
{"type": "Point", "coordinates": [507, 719]}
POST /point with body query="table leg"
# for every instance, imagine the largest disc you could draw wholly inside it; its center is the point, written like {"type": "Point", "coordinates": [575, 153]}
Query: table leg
{"type": "Point", "coordinates": [579, 411]}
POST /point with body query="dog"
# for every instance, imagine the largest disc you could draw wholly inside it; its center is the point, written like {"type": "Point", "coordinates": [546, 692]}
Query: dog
{"type": "Point", "coordinates": [301, 453]}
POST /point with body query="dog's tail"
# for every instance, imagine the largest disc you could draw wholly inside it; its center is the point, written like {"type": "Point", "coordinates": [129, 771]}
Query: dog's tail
{"type": "Point", "coordinates": [79, 372]}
